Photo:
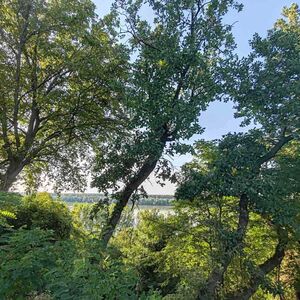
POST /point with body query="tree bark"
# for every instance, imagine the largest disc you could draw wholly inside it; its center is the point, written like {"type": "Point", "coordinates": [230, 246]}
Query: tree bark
{"type": "Point", "coordinates": [124, 195]}
{"type": "Point", "coordinates": [264, 269]}
{"type": "Point", "coordinates": [5, 186]}
{"type": "Point", "coordinates": [13, 170]}
{"type": "Point", "coordinates": [284, 140]}
{"type": "Point", "coordinates": [217, 275]}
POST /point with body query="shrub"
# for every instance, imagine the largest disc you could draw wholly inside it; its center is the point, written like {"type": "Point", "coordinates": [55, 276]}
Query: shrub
{"type": "Point", "coordinates": [89, 222]}
{"type": "Point", "coordinates": [41, 211]}
{"type": "Point", "coordinates": [8, 204]}
{"type": "Point", "coordinates": [144, 249]}
{"type": "Point", "coordinates": [32, 263]}
{"type": "Point", "coordinates": [25, 257]}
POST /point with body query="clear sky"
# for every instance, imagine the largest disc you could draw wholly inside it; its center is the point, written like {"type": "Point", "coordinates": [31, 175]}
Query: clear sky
{"type": "Point", "coordinates": [257, 16]}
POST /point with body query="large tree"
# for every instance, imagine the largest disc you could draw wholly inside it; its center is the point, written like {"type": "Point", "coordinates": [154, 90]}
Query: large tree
{"type": "Point", "coordinates": [59, 67]}
{"type": "Point", "coordinates": [174, 75]}
{"type": "Point", "coordinates": [261, 167]}
{"type": "Point", "coordinates": [234, 175]}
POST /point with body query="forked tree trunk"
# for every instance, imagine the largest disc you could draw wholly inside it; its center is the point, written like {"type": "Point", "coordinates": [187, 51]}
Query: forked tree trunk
{"type": "Point", "coordinates": [264, 269]}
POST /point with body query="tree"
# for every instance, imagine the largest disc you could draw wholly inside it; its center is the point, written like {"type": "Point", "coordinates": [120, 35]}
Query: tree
{"type": "Point", "coordinates": [175, 253]}
{"type": "Point", "coordinates": [230, 168]}
{"type": "Point", "coordinates": [174, 77]}
{"type": "Point", "coordinates": [253, 166]}
{"type": "Point", "coordinates": [57, 88]}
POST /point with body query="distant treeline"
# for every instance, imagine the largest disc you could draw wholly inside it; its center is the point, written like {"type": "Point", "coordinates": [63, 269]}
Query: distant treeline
{"type": "Point", "coordinates": [162, 200]}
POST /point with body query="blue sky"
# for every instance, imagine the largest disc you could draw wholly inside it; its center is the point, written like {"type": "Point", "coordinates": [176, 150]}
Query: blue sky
{"type": "Point", "coordinates": [257, 16]}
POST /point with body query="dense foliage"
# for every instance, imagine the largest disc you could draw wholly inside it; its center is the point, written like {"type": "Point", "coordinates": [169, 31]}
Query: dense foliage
{"type": "Point", "coordinates": [167, 256]}
{"type": "Point", "coordinates": [56, 88]}
{"type": "Point", "coordinates": [40, 211]}
{"type": "Point", "coordinates": [180, 67]}
{"type": "Point", "coordinates": [41, 259]}
{"type": "Point", "coordinates": [120, 95]}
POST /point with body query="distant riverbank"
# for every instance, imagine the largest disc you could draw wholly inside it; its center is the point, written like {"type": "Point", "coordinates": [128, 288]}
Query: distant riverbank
{"type": "Point", "coordinates": [151, 200]}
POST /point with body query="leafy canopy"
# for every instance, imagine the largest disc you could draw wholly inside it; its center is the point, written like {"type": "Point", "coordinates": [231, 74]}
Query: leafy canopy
{"type": "Point", "coordinates": [61, 70]}
{"type": "Point", "coordinates": [173, 76]}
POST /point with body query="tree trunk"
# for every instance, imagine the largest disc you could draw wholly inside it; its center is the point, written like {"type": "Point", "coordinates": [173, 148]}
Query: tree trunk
{"type": "Point", "coordinates": [5, 186]}
{"type": "Point", "coordinates": [124, 195]}
{"type": "Point", "coordinates": [10, 176]}
{"type": "Point", "coordinates": [264, 269]}
{"type": "Point", "coordinates": [216, 277]}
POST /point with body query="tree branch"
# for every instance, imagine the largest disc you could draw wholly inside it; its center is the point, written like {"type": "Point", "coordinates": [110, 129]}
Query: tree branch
{"type": "Point", "coordinates": [276, 148]}
{"type": "Point", "coordinates": [21, 43]}
{"type": "Point", "coordinates": [263, 269]}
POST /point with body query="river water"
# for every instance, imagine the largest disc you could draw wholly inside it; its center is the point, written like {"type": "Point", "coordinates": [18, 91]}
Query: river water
{"type": "Point", "coordinates": [164, 210]}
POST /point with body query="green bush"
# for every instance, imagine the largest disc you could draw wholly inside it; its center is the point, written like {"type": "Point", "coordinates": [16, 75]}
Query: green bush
{"type": "Point", "coordinates": [33, 263]}
{"type": "Point", "coordinates": [8, 206]}
{"type": "Point", "coordinates": [91, 274]}
{"type": "Point", "coordinates": [83, 224]}
{"type": "Point", "coordinates": [25, 258]}
{"type": "Point", "coordinates": [144, 249]}
{"type": "Point", "coordinates": [41, 211]}
{"type": "Point", "coordinates": [39, 257]}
